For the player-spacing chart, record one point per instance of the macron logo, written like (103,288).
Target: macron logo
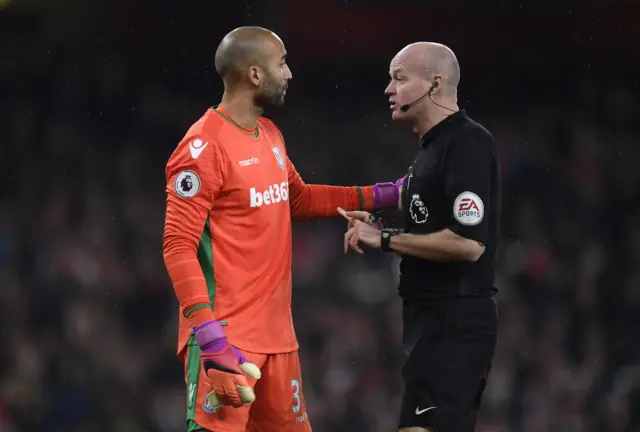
(275,194)
(196,147)
(249,162)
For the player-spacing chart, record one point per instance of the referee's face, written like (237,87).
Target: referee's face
(405,87)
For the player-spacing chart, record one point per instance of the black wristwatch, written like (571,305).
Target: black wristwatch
(385,238)
(377,220)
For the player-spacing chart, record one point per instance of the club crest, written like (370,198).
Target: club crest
(278,155)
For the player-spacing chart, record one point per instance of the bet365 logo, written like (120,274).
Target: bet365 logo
(275,194)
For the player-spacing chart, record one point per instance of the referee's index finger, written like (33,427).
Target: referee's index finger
(344,214)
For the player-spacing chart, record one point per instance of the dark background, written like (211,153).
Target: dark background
(95,95)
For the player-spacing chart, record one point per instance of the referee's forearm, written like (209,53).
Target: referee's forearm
(443,245)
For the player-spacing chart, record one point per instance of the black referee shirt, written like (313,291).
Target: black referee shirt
(453,183)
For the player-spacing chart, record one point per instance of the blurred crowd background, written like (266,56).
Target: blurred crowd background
(94,96)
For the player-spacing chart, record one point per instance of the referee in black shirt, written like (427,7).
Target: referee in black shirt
(451,203)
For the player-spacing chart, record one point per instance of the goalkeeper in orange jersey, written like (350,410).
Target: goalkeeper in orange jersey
(232,193)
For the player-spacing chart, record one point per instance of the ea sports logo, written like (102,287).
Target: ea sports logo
(468,209)
(468,204)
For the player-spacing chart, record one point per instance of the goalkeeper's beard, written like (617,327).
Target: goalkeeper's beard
(271,95)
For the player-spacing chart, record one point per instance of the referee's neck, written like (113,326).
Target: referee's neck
(425,123)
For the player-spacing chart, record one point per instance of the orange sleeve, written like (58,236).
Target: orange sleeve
(321,201)
(195,174)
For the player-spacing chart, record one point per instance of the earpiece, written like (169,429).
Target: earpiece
(434,85)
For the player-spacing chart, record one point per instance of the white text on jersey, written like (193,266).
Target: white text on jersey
(249,162)
(275,194)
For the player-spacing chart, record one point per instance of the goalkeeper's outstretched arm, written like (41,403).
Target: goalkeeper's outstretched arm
(311,201)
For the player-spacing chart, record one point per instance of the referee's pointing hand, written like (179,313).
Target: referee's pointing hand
(361,232)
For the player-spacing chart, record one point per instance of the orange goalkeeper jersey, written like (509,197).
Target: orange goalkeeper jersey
(231,196)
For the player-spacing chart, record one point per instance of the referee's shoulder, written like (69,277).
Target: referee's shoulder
(473,134)
(473,129)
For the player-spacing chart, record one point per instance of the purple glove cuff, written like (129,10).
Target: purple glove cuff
(241,358)
(210,336)
(386,194)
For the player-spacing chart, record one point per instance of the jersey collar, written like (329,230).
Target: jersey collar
(443,127)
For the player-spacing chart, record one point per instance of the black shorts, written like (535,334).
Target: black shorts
(449,345)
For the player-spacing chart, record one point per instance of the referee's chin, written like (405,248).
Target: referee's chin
(398,115)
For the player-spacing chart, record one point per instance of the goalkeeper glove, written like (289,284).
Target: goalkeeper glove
(225,368)
(388,195)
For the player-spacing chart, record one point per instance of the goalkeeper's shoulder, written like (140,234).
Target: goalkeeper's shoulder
(205,133)
(200,152)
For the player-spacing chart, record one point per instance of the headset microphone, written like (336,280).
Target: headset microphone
(405,108)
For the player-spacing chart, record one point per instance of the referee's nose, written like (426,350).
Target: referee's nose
(391,89)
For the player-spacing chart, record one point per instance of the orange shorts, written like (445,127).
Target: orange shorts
(279,404)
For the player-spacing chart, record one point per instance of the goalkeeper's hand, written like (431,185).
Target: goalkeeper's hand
(388,195)
(225,368)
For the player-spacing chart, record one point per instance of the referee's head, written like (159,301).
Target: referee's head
(424,82)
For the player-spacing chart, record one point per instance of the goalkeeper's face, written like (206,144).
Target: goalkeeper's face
(275,77)
(272,91)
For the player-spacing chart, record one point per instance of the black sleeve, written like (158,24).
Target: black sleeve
(468,170)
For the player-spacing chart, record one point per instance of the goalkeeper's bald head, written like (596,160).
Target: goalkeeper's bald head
(244,47)
(252,62)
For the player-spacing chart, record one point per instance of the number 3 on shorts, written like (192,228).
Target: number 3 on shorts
(295,385)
